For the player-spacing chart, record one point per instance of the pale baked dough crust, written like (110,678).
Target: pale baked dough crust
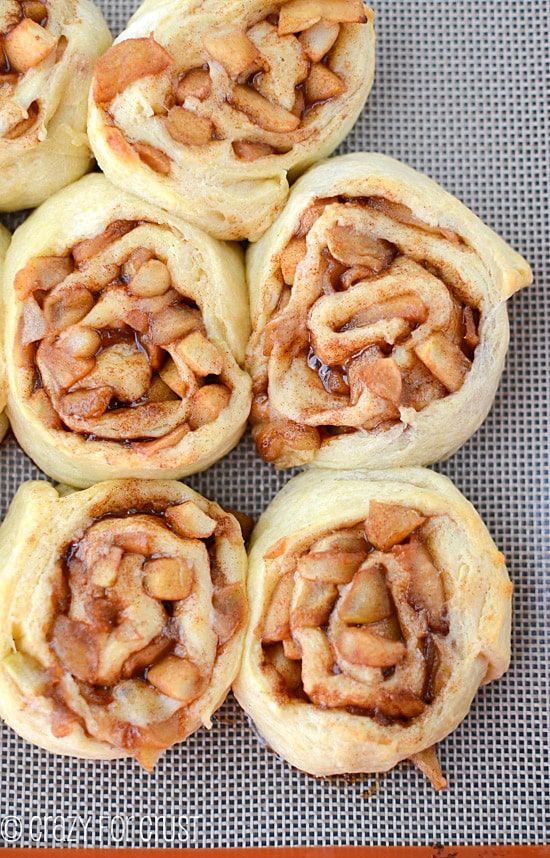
(327,742)
(5,238)
(209,186)
(206,270)
(492,272)
(40,523)
(55,151)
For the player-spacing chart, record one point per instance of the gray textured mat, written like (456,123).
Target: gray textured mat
(461,92)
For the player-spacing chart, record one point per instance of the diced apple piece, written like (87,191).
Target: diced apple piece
(76,647)
(298,15)
(384,379)
(28,44)
(234,51)
(207,404)
(361,646)
(248,150)
(319,39)
(26,672)
(34,322)
(154,158)
(172,324)
(322,84)
(87,403)
(145,657)
(80,341)
(202,356)
(105,570)
(229,605)
(401,703)
(170,376)
(125,63)
(288,669)
(388,628)
(387,524)
(292,650)
(195,83)
(355,247)
(299,103)
(189,520)
(137,258)
(177,678)
(471,335)
(314,604)
(86,249)
(168,578)
(189,128)
(445,360)
(291,256)
(425,590)
(277,620)
(301,14)
(368,599)
(260,111)
(67,307)
(43,273)
(124,368)
(152,279)
(332,566)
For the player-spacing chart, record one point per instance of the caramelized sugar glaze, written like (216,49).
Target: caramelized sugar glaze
(369,320)
(358,618)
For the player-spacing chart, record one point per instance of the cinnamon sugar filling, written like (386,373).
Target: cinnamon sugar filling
(358,621)
(363,327)
(111,349)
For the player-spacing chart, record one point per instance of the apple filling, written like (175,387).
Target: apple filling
(110,348)
(270,76)
(26,44)
(141,611)
(372,324)
(358,620)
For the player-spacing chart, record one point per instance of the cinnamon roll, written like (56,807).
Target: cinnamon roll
(209,109)
(379,319)
(378,605)
(4,244)
(122,612)
(126,329)
(47,52)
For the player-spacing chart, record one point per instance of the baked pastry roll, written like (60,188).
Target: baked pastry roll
(379,320)
(47,52)
(122,613)
(4,244)
(125,330)
(378,605)
(209,109)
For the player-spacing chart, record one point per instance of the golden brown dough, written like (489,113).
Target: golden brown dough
(378,605)
(47,52)
(125,331)
(380,329)
(122,612)
(210,109)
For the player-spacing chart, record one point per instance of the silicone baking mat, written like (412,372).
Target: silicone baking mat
(461,92)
